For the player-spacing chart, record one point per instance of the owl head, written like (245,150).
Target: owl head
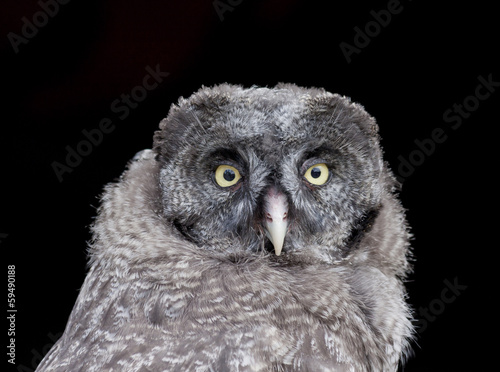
(289,172)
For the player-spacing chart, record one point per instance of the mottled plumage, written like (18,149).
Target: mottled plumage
(189,272)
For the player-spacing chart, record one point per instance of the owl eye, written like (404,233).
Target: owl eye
(317,174)
(226,175)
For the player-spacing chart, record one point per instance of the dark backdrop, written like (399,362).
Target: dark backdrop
(426,72)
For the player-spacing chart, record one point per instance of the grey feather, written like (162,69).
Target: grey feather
(183,276)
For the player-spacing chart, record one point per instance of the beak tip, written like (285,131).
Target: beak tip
(277,237)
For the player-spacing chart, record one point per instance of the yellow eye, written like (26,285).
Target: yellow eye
(226,176)
(317,174)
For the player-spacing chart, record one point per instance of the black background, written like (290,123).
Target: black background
(428,58)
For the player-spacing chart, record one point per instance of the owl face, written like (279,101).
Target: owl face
(287,172)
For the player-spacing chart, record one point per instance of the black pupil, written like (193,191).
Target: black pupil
(315,172)
(229,175)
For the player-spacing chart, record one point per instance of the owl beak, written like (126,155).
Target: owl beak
(276,221)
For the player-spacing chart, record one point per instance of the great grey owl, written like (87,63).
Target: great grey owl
(261,233)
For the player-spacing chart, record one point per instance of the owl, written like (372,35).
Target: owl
(262,232)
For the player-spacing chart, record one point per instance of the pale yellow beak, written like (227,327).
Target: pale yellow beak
(276,215)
